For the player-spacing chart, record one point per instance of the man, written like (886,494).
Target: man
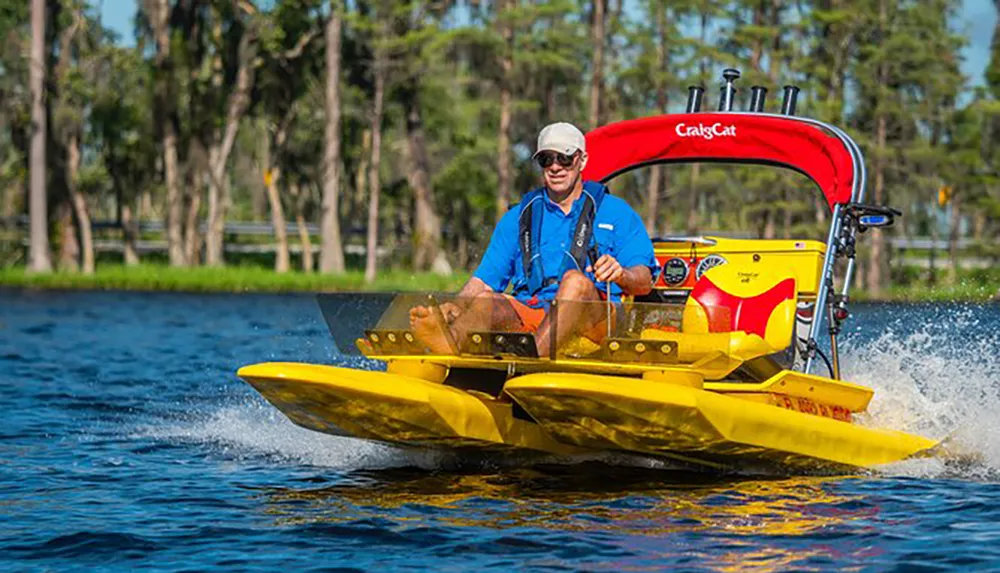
(569,240)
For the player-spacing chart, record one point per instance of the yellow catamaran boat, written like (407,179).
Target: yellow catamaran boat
(714,369)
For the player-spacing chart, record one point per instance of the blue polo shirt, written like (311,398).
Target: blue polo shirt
(618,231)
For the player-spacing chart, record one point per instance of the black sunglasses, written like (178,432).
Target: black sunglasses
(546,159)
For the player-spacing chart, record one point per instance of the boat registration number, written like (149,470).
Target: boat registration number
(807,406)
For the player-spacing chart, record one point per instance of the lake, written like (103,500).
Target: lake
(127,442)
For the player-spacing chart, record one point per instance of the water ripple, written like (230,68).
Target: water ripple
(128,443)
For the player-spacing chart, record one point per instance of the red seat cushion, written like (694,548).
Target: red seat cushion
(728,312)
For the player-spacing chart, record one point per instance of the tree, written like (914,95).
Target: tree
(597,39)
(222,142)
(158,13)
(379,71)
(331,259)
(504,180)
(39,259)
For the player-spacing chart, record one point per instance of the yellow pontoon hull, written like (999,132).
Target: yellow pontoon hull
(659,418)
(723,425)
(394,408)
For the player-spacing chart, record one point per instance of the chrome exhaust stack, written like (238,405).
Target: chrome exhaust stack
(757,97)
(728,90)
(789,100)
(695,94)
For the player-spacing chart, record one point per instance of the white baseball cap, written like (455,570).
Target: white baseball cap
(561,137)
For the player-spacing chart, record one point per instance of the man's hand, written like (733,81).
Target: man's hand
(607,268)
(637,280)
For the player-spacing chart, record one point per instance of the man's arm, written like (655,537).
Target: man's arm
(473,287)
(636,280)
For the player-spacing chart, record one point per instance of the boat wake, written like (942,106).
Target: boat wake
(254,430)
(936,374)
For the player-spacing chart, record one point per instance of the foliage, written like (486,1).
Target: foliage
(859,63)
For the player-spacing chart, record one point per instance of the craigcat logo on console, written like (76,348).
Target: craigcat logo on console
(706,131)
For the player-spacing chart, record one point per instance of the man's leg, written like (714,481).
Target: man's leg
(571,317)
(485,311)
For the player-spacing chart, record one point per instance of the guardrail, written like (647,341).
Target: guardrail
(253,228)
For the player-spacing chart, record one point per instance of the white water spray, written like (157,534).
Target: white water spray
(255,429)
(935,372)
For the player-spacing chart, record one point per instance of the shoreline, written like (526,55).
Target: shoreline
(230,279)
(254,279)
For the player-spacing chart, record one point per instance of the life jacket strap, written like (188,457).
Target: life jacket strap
(581,248)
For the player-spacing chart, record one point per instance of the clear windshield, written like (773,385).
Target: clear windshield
(497,327)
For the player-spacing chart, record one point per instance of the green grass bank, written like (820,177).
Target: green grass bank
(151,277)
(981,285)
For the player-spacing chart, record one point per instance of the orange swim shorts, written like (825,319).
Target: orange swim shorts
(531,318)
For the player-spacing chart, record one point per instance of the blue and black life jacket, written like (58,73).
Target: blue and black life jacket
(582,245)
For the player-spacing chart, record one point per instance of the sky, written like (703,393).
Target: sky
(977,19)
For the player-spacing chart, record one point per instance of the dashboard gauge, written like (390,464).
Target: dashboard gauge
(675,271)
(707,263)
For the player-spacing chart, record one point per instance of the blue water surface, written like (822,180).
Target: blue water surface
(127,442)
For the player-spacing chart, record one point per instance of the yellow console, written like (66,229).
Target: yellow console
(684,260)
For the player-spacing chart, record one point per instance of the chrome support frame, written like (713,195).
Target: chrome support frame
(825,285)
(833,241)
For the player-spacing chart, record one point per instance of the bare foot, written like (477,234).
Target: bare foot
(430,330)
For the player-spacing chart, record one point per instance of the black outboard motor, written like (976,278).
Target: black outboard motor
(757,96)
(728,90)
(789,100)
(695,94)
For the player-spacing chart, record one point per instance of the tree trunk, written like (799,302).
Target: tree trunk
(361,177)
(820,208)
(656,172)
(159,19)
(550,102)
(757,51)
(192,234)
(131,235)
(877,254)
(462,247)
(69,243)
(610,106)
(978,225)
(953,234)
(331,255)
(427,252)
(596,62)
(786,220)
(271,178)
(236,106)
(145,205)
(373,169)
(653,199)
(216,219)
(691,226)
(300,223)
(932,257)
(39,257)
(175,201)
(768,224)
(79,203)
(11,197)
(281,258)
(504,179)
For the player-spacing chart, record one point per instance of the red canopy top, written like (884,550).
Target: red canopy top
(725,137)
